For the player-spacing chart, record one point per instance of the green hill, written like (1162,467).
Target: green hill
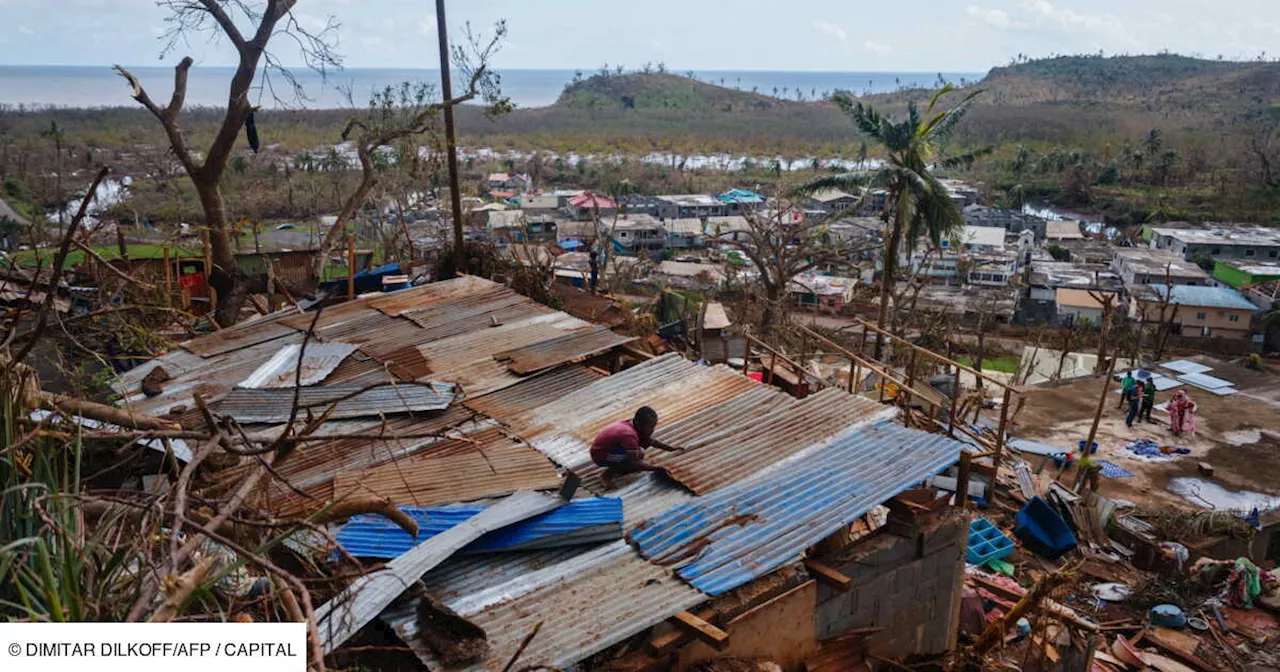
(660,91)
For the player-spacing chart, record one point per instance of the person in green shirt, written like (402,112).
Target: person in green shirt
(1148,401)
(1125,384)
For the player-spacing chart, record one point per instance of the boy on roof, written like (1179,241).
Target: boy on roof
(619,447)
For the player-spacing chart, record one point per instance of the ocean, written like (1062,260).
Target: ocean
(100,86)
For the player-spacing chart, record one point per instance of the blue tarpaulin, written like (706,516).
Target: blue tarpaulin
(581,521)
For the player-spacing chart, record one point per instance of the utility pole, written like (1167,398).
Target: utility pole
(451,145)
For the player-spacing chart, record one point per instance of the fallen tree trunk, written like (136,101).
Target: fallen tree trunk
(102,412)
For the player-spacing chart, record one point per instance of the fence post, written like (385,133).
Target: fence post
(1004,418)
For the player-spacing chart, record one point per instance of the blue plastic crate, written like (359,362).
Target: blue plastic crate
(986,542)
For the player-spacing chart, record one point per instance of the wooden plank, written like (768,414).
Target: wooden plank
(708,633)
(828,575)
(1180,644)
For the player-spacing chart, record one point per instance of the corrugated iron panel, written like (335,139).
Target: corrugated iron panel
(361,370)
(274,405)
(585,606)
(739,445)
(241,336)
(457,579)
(344,615)
(318,361)
(495,465)
(460,317)
(467,359)
(570,347)
(395,303)
(646,497)
(581,521)
(312,467)
(534,391)
(722,540)
(213,377)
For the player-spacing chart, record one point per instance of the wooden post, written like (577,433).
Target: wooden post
(1004,418)
(773,361)
(955,396)
(271,284)
(351,266)
(208,269)
(962,480)
(853,373)
(862,347)
(746,357)
(1102,404)
(168,276)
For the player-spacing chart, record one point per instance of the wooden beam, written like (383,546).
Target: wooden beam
(828,575)
(679,636)
(711,635)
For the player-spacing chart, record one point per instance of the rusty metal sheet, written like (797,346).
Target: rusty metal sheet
(275,405)
(212,378)
(362,370)
(241,336)
(494,465)
(395,303)
(533,391)
(312,467)
(460,317)
(585,604)
(733,450)
(572,347)
(284,368)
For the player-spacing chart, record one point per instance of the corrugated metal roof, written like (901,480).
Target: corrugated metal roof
(572,347)
(274,405)
(534,391)
(495,465)
(722,540)
(241,335)
(1184,366)
(716,457)
(318,361)
(461,577)
(345,614)
(581,521)
(1205,297)
(585,605)
(1205,381)
(647,496)
(311,468)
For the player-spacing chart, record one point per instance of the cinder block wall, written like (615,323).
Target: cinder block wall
(908,585)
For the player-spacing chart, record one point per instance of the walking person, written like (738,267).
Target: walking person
(1148,401)
(1182,414)
(594,263)
(1132,396)
(1125,385)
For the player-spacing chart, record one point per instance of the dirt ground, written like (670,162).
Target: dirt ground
(1236,435)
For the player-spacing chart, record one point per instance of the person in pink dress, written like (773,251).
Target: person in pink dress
(1182,414)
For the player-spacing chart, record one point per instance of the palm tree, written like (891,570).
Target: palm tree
(916,204)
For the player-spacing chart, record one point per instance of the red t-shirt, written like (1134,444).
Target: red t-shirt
(616,439)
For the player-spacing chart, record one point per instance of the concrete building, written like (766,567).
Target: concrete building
(1013,221)
(1196,312)
(1062,229)
(1144,266)
(684,234)
(510,182)
(1220,241)
(1241,275)
(1079,306)
(825,293)
(680,206)
(830,200)
(638,234)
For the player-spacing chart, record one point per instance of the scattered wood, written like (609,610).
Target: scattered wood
(453,639)
(828,575)
(715,637)
(679,636)
(1180,644)
(1205,468)
(101,412)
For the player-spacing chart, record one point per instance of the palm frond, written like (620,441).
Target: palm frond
(942,126)
(850,182)
(966,159)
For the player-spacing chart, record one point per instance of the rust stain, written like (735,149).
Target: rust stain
(694,547)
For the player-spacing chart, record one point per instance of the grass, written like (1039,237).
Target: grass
(1005,364)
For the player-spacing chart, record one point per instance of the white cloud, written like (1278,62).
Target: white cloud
(25,30)
(1104,23)
(876,47)
(996,17)
(832,29)
(427,27)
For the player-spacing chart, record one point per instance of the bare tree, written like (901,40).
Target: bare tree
(409,111)
(782,242)
(1107,300)
(223,18)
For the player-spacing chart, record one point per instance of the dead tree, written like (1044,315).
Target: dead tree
(223,18)
(781,243)
(1108,302)
(408,111)
(1167,311)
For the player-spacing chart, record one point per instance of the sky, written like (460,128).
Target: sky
(828,35)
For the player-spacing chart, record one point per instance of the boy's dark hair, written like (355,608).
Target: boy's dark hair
(644,414)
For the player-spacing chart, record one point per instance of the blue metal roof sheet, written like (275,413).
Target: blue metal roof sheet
(735,534)
(1206,297)
(581,521)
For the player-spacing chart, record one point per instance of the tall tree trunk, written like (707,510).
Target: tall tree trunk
(226,277)
(887,280)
